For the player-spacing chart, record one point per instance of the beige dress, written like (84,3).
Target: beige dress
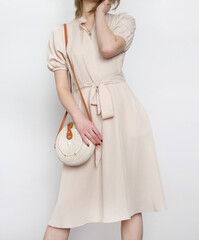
(122,176)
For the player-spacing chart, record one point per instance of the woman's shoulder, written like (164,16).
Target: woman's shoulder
(59,29)
(122,18)
(119,16)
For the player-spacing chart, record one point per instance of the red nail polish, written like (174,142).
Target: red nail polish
(101,140)
(95,144)
(88,145)
(98,143)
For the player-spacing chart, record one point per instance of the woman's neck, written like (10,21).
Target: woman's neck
(88,5)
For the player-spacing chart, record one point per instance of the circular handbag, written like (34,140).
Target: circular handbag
(69,145)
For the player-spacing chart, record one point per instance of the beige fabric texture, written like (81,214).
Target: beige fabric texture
(122,177)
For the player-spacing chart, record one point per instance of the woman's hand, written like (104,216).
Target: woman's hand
(104,6)
(86,128)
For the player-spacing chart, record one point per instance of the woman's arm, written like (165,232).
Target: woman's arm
(109,44)
(84,126)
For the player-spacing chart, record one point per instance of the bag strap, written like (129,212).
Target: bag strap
(70,84)
(66,40)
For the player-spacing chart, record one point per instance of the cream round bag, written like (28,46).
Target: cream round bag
(69,146)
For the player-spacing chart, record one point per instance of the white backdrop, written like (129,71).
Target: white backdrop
(162,69)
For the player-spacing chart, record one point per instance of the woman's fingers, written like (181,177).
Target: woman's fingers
(97,132)
(84,139)
(94,136)
(90,137)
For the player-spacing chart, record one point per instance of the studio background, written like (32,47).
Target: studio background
(161,68)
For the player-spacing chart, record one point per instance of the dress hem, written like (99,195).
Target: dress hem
(108,220)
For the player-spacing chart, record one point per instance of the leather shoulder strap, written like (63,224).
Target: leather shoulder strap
(70,83)
(66,40)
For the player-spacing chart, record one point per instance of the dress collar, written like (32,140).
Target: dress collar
(82,20)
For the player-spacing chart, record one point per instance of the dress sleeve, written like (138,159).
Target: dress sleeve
(124,26)
(56,50)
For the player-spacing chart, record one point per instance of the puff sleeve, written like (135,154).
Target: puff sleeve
(124,26)
(56,50)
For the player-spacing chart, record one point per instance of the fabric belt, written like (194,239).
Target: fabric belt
(100,96)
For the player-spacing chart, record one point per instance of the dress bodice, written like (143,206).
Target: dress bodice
(95,74)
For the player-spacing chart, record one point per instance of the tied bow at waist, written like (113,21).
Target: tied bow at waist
(100,96)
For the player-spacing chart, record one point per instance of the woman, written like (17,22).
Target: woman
(121,179)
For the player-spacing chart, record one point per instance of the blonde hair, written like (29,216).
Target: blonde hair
(79,6)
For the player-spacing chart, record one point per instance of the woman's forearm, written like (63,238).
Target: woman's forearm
(109,44)
(105,36)
(68,102)
(65,96)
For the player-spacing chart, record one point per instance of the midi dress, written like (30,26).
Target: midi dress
(122,177)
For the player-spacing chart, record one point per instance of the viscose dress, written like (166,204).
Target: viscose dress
(122,177)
